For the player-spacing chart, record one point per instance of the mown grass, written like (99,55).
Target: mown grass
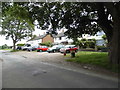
(99,59)
(5,49)
(15,50)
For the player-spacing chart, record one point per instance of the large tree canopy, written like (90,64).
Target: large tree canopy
(15,27)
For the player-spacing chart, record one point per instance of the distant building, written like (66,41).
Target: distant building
(42,39)
(47,38)
(61,38)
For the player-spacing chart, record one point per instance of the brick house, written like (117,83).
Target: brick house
(42,39)
(47,38)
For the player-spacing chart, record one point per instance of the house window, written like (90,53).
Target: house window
(60,38)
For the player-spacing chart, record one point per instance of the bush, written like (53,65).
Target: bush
(84,43)
(4,46)
(83,39)
(90,44)
(20,44)
(49,44)
(102,48)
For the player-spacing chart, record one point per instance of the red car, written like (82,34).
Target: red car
(42,48)
(68,49)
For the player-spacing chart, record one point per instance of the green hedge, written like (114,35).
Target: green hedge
(102,48)
(84,43)
(49,44)
(20,44)
(4,47)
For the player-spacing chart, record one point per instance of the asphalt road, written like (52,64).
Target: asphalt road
(25,72)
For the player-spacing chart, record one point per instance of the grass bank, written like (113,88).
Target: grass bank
(5,49)
(99,59)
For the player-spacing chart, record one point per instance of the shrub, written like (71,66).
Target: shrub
(102,48)
(90,44)
(4,46)
(49,44)
(84,43)
(83,39)
(20,44)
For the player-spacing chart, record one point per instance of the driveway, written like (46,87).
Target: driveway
(48,70)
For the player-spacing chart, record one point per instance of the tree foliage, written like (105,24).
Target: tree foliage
(14,26)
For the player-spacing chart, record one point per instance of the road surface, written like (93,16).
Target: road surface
(22,71)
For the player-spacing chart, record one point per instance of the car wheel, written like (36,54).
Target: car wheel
(38,50)
(76,50)
(67,51)
(41,50)
(28,50)
(53,51)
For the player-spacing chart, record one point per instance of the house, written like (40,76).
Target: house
(48,37)
(61,38)
(42,39)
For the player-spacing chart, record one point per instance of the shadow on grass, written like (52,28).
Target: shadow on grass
(98,59)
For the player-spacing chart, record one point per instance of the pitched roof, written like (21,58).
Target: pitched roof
(60,35)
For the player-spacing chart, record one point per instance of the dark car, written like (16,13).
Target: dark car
(55,48)
(69,48)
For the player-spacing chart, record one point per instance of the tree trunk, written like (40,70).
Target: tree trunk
(113,48)
(14,47)
(114,43)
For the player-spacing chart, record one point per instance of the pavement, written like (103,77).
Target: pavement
(48,70)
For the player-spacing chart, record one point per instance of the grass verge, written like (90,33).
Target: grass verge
(99,59)
(15,50)
(5,49)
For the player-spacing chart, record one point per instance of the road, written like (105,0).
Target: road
(22,71)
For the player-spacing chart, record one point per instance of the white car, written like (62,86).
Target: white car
(29,47)
(69,48)
(26,46)
(55,48)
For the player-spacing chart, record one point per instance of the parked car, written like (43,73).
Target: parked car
(32,48)
(19,47)
(29,47)
(55,48)
(69,48)
(26,46)
(42,48)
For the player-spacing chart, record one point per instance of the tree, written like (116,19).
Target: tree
(104,37)
(15,27)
